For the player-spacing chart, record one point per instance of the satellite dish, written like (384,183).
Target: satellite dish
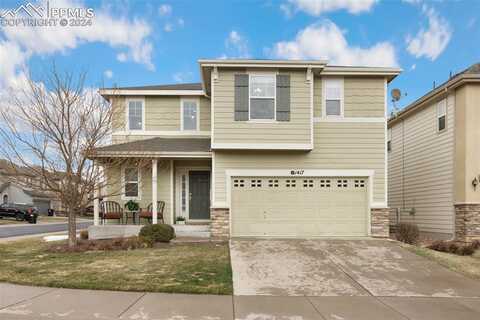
(396,94)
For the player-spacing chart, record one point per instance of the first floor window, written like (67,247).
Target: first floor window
(5,199)
(333,97)
(262,97)
(131,182)
(190,115)
(135,115)
(441,115)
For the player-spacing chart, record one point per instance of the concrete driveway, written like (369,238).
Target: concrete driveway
(315,268)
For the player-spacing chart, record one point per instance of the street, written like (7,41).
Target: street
(7,231)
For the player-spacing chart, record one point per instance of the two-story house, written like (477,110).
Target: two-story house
(258,148)
(434,160)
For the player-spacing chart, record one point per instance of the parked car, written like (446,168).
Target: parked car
(20,212)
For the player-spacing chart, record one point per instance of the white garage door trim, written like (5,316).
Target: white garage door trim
(229,173)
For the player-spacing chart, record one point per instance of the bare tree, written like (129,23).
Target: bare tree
(50,128)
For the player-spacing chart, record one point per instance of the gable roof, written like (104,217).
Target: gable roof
(471,74)
(156,147)
(176,86)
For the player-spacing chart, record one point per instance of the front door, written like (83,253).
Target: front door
(199,187)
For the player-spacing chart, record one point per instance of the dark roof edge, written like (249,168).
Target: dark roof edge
(471,74)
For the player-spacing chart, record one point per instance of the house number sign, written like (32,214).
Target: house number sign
(297,172)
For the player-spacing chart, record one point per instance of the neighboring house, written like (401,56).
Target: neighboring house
(13,193)
(434,159)
(258,148)
(18,185)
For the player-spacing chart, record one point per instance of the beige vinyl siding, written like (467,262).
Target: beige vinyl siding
(162,113)
(114,186)
(227,130)
(336,146)
(467,164)
(421,169)
(364,97)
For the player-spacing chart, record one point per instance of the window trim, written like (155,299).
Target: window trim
(139,182)
(127,111)
(267,74)
(197,102)
(324,97)
(437,116)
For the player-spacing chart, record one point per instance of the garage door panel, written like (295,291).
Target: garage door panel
(306,207)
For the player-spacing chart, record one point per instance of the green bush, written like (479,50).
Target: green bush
(407,232)
(153,233)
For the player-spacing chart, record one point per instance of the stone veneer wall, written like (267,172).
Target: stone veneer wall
(379,222)
(220,222)
(467,222)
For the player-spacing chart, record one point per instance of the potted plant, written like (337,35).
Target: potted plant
(181,220)
(132,205)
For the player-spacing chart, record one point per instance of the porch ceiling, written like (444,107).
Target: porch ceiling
(157,147)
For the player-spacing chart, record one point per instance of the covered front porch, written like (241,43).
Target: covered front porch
(167,179)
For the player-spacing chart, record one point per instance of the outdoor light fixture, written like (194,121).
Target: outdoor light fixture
(475,183)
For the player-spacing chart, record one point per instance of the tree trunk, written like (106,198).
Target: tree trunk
(72,228)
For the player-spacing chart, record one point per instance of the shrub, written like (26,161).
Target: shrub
(476,244)
(439,245)
(452,247)
(466,250)
(84,234)
(407,232)
(153,233)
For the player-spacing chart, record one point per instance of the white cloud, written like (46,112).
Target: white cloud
(22,42)
(236,46)
(413,67)
(165,10)
(325,40)
(168,27)
(430,42)
(108,74)
(182,76)
(122,57)
(181,22)
(318,7)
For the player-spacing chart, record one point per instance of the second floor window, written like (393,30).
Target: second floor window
(262,97)
(135,115)
(441,115)
(190,117)
(333,97)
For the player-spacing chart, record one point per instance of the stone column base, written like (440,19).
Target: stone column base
(467,222)
(220,222)
(379,222)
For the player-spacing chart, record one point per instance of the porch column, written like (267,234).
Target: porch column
(154,192)
(96,203)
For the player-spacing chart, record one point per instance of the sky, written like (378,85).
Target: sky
(134,43)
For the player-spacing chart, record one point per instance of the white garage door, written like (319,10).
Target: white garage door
(299,207)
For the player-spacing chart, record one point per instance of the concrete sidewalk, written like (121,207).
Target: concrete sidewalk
(22,302)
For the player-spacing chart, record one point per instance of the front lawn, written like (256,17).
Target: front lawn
(467,265)
(181,268)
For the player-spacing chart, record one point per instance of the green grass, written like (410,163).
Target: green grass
(180,268)
(466,265)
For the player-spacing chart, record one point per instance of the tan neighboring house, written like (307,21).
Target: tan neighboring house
(434,159)
(259,148)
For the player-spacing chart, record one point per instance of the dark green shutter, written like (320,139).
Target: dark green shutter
(241,97)
(283,97)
